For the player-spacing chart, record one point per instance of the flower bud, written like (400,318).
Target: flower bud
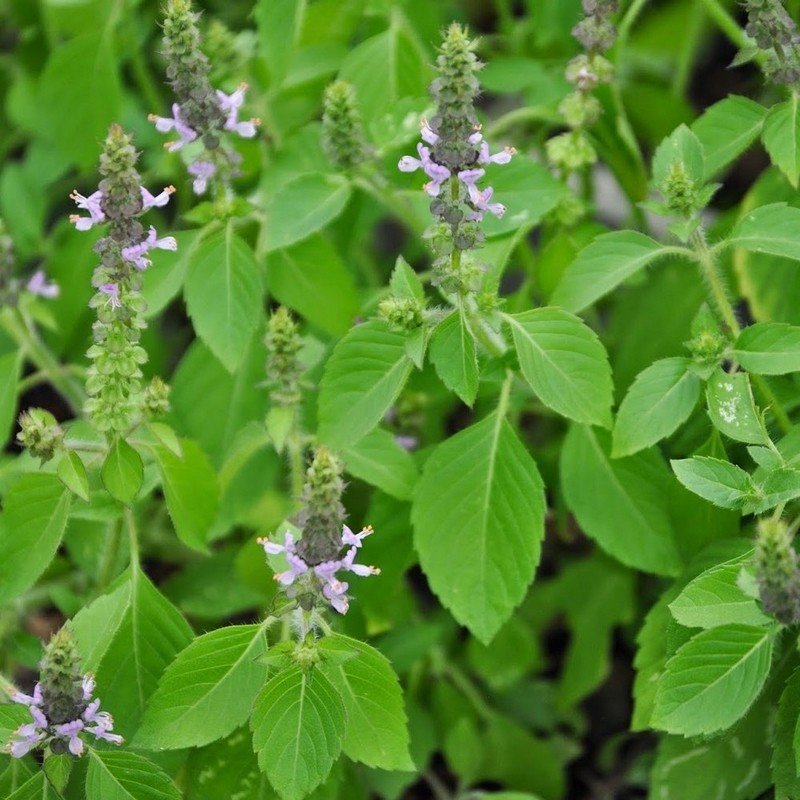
(402,313)
(342,130)
(776,34)
(155,399)
(595,32)
(777,573)
(283,366)
(322,514)
(40,433)
(571,151)
(679,190)
(580,109)
(61,679)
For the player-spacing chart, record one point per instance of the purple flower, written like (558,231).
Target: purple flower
(297,567)
(436,172)
(29,735)
(101,723)
(159,200)
(111,290)
(230,105)
(357,569)
(335,592)
(70,731)
(28,700)
(480,199)
(470,176)
(92,720)
(202,171)
(427,133)
(38,285)
(135,253)
(92,204)
(355,539)
(503,157)
(407,442)
(175,123)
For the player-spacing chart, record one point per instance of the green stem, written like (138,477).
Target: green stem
(39,377)
(294,450)
(465,685)
(25,335)
(725,22)
(715,283)
(105,572)
(631,15)
(133,539)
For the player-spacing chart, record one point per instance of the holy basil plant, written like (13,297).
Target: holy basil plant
(399,400)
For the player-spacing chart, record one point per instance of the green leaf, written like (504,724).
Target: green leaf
(302,207)
(224,295)
(405,282)
(35,788)
(191,491)
(362,379)
(733,766)
(778,486)
(772,229)
(713,679)
(10,368)
(385,68)
(307,276)
(786,741)
(727,129)
(528,191)
(298,725)
(732,409)
(279,24)
(379,460)
(480,495)
(453,355)
(720,482)
(714,598)
(377,732)
(782,137)
(602,266)
(34,519)
(73,475)
(79,95)
(565,364)
(127,638)
(122,775)
(658,402)
(122,471)
(207,692)
(769,348)
(620,503)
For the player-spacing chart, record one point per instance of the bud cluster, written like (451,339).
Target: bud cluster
(595,31)
(283,366)
(62,707)
(40,434)
(114,377)
(342,130)
(572,151)
(327,546)
(777,572)
(453,154)
(776,34)
(200,113)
